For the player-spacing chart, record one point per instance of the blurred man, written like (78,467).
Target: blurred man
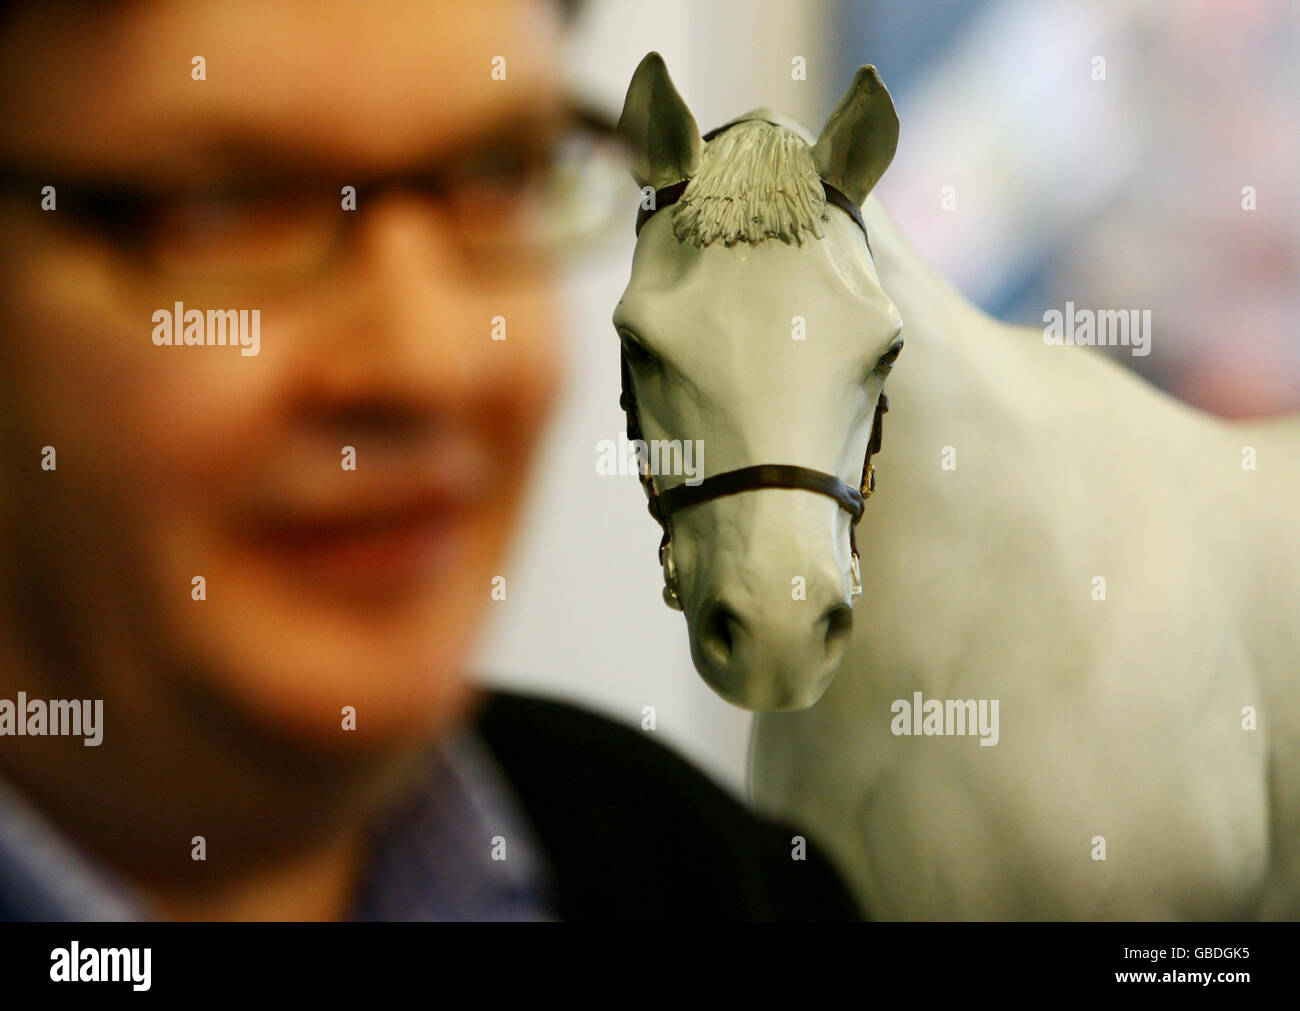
(261,460)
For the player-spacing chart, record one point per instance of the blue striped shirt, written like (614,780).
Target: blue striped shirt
(458,848)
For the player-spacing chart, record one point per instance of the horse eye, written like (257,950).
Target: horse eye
(891,356)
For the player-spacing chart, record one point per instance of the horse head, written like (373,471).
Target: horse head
(755,328)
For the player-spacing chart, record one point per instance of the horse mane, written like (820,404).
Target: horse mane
(756,181)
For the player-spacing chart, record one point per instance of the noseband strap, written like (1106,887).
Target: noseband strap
(762,475)
(662,505)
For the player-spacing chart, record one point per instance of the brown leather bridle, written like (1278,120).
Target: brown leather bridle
(763,475)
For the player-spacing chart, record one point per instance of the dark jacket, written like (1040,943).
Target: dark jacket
(632,831)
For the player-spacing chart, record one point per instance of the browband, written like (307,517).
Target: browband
(670,194)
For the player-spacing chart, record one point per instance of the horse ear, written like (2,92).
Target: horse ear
(859,140)
(659,130)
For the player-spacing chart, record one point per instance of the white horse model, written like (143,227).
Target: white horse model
(1055,542)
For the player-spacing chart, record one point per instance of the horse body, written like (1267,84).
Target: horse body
(1121,719)
(1053,538)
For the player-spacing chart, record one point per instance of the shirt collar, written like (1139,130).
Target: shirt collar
(460,849)
(44,877)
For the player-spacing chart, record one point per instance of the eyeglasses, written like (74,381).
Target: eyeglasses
(512,204)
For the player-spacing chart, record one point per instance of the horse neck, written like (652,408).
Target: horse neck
(956,357)
(1046,429)
(975,372)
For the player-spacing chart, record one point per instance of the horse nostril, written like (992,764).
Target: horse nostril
(839,625)
(716,632)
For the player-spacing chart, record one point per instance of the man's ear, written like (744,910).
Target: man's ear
(860,137)
(659,130)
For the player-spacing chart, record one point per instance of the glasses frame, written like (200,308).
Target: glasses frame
(118,212)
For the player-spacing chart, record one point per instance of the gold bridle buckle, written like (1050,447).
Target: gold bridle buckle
(670,579)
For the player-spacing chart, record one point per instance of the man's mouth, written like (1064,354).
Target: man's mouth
(382,547)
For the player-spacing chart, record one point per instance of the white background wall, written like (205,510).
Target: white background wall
(584,619)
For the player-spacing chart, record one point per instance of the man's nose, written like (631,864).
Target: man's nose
(402,326)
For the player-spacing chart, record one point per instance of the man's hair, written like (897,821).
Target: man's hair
(756,181)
